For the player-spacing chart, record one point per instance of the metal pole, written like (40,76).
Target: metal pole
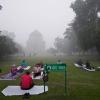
(44,81)
(44,76)
(65,80)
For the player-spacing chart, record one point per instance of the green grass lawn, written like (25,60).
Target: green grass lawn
(81,85)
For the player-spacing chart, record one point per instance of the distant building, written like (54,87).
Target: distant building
(35,43)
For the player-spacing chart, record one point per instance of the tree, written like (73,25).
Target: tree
(7,46)
(35,43)
(20,49)
(58,44)
(8,34)
(70,41)
(68,44)
(52,51)
(0,7)
(86,24)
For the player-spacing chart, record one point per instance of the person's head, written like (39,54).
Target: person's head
(37,65)
(23,60)
(13,65)
(27,72)
(59,60)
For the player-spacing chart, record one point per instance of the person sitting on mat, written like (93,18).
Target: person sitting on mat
(79,62)
(37,70)
(13,70)
(59,61)
(26,81)
(23,64)
(88,65)
(40,64)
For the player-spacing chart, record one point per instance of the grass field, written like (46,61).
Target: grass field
(81,85)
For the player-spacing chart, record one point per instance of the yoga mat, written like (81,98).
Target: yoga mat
(16,90)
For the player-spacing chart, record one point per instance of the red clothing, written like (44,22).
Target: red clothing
(26,81)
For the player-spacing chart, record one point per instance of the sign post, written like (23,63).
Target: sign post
(56,68)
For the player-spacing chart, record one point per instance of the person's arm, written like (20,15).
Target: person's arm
(31,81)
(21,81)
(11,70)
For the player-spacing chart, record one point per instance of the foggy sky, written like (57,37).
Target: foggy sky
(22,17)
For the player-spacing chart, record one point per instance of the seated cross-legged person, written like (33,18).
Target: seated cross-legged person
(37,70)
(88,65)
(79,62)
(59,62)
(40,64)
(26,81)
(13,70)
(23,64)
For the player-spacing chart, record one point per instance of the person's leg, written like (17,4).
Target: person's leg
(38,74)
(23,88)
(31,86)
(27,88)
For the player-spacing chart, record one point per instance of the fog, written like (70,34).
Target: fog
(50,17)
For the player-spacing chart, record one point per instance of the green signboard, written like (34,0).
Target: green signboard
(55,67)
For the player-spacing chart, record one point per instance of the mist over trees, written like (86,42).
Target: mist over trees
(87,23)
(7,45)
(52,51)
(68,44)
(83,34)
(35,43)
(0,7)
